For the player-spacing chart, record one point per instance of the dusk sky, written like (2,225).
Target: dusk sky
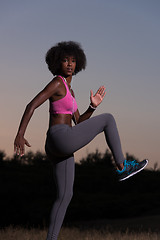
(121,39)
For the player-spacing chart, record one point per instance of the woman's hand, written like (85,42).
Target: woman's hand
(98,97)
(19,144)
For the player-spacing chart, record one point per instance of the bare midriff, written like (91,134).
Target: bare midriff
(60,119)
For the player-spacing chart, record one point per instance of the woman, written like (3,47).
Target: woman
(65,60)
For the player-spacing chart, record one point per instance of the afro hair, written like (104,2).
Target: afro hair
(56,54)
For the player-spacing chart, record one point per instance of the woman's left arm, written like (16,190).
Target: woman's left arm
(95,101)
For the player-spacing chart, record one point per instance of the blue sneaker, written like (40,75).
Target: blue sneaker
(131,168)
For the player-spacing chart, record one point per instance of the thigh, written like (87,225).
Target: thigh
(70,139)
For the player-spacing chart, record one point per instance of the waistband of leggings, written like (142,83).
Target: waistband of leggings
(57,127)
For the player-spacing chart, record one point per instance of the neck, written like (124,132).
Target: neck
(68,79)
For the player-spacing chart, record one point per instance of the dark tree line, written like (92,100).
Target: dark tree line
(28,190)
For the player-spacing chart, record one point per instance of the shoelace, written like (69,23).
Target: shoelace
(131,163)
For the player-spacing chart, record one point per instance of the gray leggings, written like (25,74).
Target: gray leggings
(62,141)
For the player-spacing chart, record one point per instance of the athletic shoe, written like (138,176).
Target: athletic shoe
(131,168)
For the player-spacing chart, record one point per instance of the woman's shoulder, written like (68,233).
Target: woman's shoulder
(56,82)
(56,86)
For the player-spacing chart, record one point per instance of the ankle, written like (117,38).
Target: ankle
(120,166)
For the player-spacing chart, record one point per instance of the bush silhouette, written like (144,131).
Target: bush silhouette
(28,190)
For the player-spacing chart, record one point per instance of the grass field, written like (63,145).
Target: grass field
(146,228)
(75,234)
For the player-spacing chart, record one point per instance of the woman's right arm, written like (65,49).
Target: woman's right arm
(45,94)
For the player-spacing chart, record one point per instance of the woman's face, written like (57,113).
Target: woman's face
(68,65)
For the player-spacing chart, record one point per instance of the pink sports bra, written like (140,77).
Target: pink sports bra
(65,105)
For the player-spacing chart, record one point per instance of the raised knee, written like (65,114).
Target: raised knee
(109,116)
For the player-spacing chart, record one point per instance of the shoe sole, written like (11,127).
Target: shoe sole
(132,174)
